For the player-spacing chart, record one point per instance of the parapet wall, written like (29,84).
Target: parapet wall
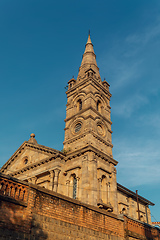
(138,230)
(30,212)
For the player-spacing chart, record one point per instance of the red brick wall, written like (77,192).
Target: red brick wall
(140,230)
(71,211)
(40,213)
(30,212)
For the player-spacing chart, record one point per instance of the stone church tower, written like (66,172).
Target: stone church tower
(85,169)
(88,133)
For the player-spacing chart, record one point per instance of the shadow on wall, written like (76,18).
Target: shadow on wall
(152,234)
(15,225)
(37,233)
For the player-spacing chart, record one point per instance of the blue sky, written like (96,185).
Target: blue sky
(41,47)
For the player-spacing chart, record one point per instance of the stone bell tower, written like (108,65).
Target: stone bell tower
(88,119)
(88,134)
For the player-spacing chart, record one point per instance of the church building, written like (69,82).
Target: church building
(85,170)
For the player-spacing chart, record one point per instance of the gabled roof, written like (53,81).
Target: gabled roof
(32,144)
(133,194)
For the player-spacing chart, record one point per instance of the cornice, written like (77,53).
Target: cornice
(72,168)
(104,170)
(32,146)
(102,140)
(88,81)
(86,109)
(90,148)
(75,138)
(36,164)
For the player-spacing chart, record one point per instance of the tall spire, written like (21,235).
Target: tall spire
(89,59)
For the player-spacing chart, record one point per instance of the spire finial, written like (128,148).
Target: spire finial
(89,59)
(89,37)
(32,135)
(32,138)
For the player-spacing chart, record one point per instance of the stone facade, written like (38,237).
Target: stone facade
(85,170)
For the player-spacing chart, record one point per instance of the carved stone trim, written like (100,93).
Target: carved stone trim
(34,165)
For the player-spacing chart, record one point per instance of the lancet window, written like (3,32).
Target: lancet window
(79,104)
(98,105)
(74,187)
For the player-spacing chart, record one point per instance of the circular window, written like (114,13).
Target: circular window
(78,127)
(100,129)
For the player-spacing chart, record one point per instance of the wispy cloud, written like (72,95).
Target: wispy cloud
(131,69)
(139,164)
(127,106)
(151,120)
(147,35)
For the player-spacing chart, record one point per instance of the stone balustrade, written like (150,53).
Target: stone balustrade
(13,190)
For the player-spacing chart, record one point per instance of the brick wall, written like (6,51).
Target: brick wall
(138,230)
(78,218)
(30,212)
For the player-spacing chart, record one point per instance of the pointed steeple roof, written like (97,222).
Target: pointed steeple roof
(89,59)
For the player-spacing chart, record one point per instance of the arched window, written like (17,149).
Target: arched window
(142,218)
(74,187)
(98,105)
(123,211)
(79,104)
(25,160)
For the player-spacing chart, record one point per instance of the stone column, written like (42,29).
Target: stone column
(51,180)
(34,179)
(85,179)
(77,197)
(108,192)
(68,184)
(56,174)
(113,189)
(93,179)
(99,190)
(29,180)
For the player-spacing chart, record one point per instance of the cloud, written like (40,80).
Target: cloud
(132,65)
(150,121)
(126,73)
(146,35)
(139,163)
(129,105)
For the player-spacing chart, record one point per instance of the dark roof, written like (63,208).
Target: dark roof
(133,194)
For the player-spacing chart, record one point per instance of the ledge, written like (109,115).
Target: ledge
(12,200)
